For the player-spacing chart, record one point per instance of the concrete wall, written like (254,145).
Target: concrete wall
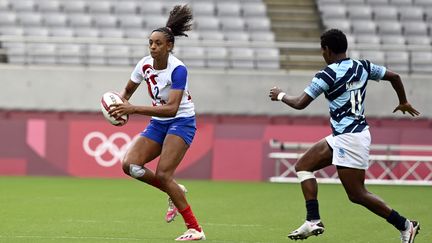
(214,92)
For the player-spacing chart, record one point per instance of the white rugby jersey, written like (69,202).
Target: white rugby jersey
(160,82)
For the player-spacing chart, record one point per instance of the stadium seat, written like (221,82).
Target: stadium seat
(117,55)
(55,19)
(125,7)
(231,8)
(154,21)
(363,27)
(362,12)
(401,2)
(232,24)
(267,36)
(377,57)
(4,6)
(41,53)
(23,5)
(418,40)
(80,20)
(76,6)
(86,32)
(193,56)
(96,55)
(207,23)
(36,31)
(203,8)
(353,2)
(217,57)
(421,62)
(415,28)
(423,3)
(8,19)
(388,27)
(151,8)
(30,19)
(390,13)
(16,52)
(368,39)
(333,11)
(11,30)
(344,25)
(49,6)
(99,7)
(130,21)
(112,33)
(377,2)
(139,33)
(397,61)
(254,9)
(393,40)
(258,23)
(61,32)
(236,36)
(105,21)
(212,35)
(70,54)
(242,58)
(267,58)
(411,13)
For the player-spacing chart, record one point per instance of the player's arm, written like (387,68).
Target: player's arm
(297,102)
(167,110)
(397,85)
(129,89)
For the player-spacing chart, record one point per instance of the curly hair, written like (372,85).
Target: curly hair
(335,40)
(179,21)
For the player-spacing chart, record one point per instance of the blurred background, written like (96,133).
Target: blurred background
(58,57)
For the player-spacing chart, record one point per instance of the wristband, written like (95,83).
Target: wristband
(280,96)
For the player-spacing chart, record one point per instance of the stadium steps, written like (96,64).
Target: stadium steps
(296,21)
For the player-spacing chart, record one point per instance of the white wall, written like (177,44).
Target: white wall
(214,92)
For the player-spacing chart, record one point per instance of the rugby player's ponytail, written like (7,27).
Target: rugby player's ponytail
(179,21)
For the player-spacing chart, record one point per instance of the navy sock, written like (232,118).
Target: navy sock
(312,210)
(396,220)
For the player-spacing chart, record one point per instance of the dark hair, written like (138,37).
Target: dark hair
(335,40)
(179,21)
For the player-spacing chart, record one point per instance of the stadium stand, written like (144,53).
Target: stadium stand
(387,27)
(105,24)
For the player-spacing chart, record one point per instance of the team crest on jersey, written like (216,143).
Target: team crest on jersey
(341,153)
(147,70)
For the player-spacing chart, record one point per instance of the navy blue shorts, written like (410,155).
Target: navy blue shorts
(184,127)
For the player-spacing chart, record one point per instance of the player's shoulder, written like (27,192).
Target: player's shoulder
(174,62)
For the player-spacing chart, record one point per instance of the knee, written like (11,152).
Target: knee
(357,198)
(163,177)
(133,170)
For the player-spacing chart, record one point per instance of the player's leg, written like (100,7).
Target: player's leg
(353,182)
(315,158)
(142,151)
(173,151)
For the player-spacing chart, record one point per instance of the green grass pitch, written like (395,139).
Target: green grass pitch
(60,209)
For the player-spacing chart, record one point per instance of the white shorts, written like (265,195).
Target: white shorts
(351,149)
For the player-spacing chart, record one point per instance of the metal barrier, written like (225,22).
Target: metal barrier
(387,168)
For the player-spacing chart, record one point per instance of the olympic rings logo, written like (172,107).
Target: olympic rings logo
(106,145)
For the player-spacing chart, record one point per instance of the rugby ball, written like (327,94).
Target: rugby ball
(107,100)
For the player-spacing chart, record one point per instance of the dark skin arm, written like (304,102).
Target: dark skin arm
(397,85)
(297,102)
(167,110)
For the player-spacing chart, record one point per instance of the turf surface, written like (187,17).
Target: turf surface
(58,209)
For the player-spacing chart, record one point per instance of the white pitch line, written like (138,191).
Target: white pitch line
(71,237)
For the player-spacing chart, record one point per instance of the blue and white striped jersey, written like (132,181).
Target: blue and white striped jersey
(344,85)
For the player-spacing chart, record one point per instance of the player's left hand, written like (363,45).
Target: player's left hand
(274,92)
(118,110)
(406,108)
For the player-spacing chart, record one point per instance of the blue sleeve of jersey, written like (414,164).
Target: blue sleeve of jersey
(376,72)
(178,77)
(320,83)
